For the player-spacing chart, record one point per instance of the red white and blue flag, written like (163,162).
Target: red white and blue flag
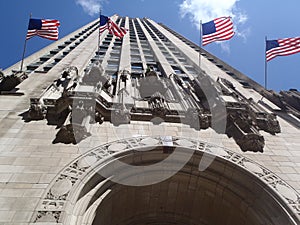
(282,47)
(45,28)
(107,24)
(219,29)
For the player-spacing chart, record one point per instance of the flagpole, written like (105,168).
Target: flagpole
(23,55)
(200,44)
(24,50)
(266,65)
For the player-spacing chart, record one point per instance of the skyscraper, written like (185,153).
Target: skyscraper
(148,129)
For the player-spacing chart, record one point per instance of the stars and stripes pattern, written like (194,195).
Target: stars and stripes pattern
(45,28)
(219,29)
(282,47)
(107,24)
(103,23)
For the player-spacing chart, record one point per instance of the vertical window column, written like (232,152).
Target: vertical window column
(167,69)
(111,64)
(138,31)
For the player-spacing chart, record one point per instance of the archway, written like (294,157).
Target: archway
(232,190)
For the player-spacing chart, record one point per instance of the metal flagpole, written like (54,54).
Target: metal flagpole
(266,65)
(24,50)
(200,44)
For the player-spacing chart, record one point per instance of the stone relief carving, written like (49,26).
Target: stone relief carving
(74,101)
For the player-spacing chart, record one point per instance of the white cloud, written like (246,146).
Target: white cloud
(207,10)
(91,7)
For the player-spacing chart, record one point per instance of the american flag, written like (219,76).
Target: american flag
(219,29)
(45,28)
(282,47)
(111,26)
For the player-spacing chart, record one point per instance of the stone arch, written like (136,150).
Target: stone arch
(232,190)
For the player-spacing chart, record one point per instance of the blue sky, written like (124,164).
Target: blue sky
(254,19)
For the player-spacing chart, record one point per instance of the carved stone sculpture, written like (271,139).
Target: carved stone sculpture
(193,101)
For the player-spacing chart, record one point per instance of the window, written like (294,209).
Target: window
(135,51)
(183,60)
(136,66)
(115,51)
(106,43)
(72,47)
(149,59)
(117,44)
(145,45)
(171,61)
(114,56)
(57,59)
(49,66)
(54,51)
(177,70)
(134,45)
(165,53)
(46,57)
(192,71)
(113,65)
(147,52)
(33,66)
(135,58)
(66,52)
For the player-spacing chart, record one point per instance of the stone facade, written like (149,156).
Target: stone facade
(41,176)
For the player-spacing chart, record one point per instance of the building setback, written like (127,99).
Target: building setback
(142,130)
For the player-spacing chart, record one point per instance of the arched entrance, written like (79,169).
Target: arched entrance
(231,190)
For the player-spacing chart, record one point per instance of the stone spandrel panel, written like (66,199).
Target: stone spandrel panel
(282,154)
